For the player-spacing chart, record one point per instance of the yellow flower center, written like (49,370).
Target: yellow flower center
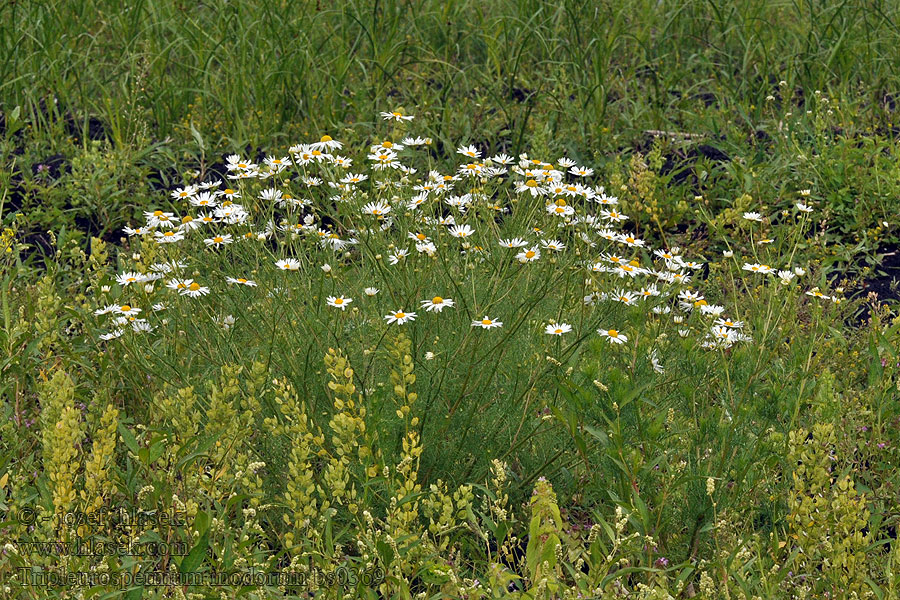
(613,333)
(338,300)
(557,330)
(242,281)
(397,114)
(560,209)
(218,239)
(420,236)
(169,234)
(124,308)
(316,153)
(187,219)
(560,202)
(229,191)
(157,213)
(183,194)
(399,315)
(194,286)
(529,254)
(325,138)
(437,300)
(531,183)
(486,321)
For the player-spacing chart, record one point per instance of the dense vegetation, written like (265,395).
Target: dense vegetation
(450,300)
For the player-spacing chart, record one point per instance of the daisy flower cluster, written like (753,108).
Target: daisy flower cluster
(376,211)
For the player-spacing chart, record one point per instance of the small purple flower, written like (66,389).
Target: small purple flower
(662,562)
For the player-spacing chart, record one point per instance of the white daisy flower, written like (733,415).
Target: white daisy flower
(340,302)
(288,264)
(437,304)
(487,323)
(241,281)
(613,336)
(399,317)
(557,328)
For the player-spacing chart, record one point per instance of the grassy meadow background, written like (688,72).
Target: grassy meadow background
(454,462)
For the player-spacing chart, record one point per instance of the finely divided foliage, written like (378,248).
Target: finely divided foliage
(490,206)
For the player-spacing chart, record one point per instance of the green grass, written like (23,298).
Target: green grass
(765,469)
(591,73)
